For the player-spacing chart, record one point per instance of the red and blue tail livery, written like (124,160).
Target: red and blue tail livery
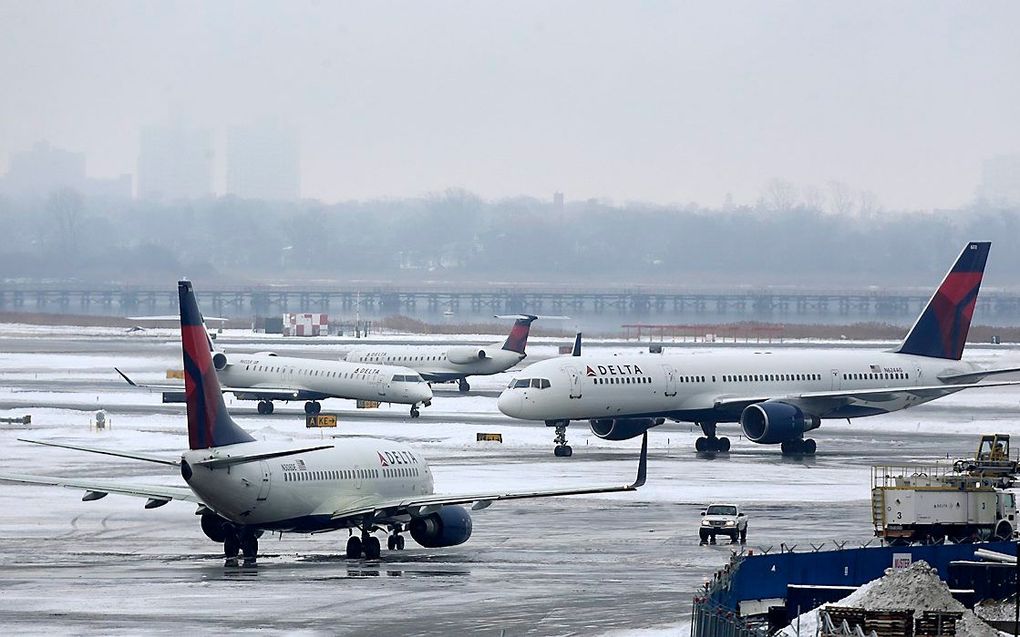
(518,338)
(209,424)
(941,330)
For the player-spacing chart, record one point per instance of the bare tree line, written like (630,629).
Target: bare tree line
(814,237)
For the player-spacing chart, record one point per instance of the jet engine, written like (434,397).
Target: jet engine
(465,355)
(449,526)
(773,422)
(214,527)
(219,360)
(623,428)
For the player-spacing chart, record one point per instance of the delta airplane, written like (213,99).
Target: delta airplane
(449,364)
(266,377)
(244,487)
(775,396)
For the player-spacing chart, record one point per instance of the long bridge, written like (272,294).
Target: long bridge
(737,305)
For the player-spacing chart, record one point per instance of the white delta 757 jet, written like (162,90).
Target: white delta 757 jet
(448,364)
(244,487)
(266,377)
(775,396)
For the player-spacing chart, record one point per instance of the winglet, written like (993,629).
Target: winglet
(577,345)
(125,377)
(941,329)
(642,467)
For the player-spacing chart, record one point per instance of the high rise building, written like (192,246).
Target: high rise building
(44,169)
(263,162)
(175,162)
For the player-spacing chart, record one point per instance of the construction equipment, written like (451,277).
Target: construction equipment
(992,459)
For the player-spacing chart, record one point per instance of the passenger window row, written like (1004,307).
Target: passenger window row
(622,380)
(350,474)
(767,378)
(877,376)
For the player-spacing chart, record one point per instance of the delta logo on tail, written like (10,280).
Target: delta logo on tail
(941,330)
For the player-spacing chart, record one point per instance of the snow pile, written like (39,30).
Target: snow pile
(916,588)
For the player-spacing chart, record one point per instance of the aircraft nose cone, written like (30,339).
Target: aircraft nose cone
(425,392)
(511,403)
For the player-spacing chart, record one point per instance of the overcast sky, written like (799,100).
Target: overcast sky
(655,101)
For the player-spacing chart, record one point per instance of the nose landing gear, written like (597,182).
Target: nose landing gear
(463,385)
(313,407)
(562,450)
(265,407)
(414,411)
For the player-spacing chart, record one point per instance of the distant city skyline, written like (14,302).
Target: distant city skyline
(661,102)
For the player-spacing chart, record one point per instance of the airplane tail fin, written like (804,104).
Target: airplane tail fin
(209,424)
(941,329)
(518,338)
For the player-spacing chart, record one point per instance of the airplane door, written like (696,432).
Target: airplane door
(670,380)
(264,483)
(575,382)
(835,379)
(380,385)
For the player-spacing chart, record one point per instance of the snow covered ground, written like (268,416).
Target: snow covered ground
(614,564)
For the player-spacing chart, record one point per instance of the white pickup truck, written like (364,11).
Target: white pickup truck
(723,519)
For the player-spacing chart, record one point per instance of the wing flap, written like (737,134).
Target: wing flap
(882,393)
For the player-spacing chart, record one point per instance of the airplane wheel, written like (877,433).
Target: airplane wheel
(231,545)
(372,548)
(701,444)
(563,451)
(391,543)
(463,386)
(312,407)
(265,407)
(414,412)
(723,445)
(400,542)
(250,547)
(353,547)
(810,447)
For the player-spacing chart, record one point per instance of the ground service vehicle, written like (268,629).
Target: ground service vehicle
(723,519)
(935,503)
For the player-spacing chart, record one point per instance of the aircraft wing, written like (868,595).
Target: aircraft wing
(260,391)
(421,505)
(822,400)
(157,494)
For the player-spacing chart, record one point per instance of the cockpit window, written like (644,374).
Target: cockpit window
(408,378)
(536,383)
(545,383)
(524,382)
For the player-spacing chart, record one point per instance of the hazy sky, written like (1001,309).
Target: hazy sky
(657,101)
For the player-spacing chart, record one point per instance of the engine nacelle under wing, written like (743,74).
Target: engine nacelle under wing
(773,422)
(449,526)
(465,355)
(623,428)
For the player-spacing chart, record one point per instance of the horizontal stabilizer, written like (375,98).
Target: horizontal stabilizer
(974,376)
(227,461)
(97,489)
(108,452)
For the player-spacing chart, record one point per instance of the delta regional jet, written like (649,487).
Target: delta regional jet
(449,364)
(266,377)
(244,487)
(776,397)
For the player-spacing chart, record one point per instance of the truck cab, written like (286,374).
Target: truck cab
(723,519)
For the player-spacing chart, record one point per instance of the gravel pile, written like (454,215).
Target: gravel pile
(916,588)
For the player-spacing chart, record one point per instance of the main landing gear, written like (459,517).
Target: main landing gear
(368,546)
(414,411)
(243,540)
(562,450)
(709,443)
(313,407)
(265,407)
(463,385)
(799,447)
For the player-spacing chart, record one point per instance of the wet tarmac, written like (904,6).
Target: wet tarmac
(573,566)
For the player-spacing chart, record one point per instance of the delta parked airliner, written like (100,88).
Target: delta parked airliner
(244,487)
(775,396)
